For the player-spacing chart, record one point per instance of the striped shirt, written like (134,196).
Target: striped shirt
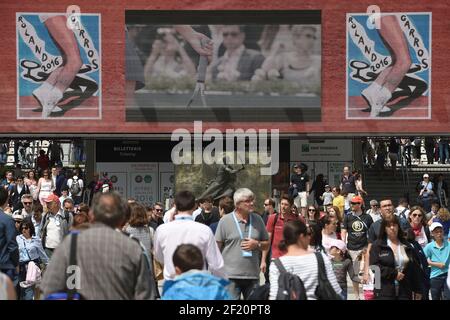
(306,268)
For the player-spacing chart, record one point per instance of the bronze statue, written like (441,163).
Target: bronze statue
(223,184)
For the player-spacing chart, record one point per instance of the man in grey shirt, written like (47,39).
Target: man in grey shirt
(112,266)
(241,235)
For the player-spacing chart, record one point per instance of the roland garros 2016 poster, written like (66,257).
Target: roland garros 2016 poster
(389,66)
(58,66)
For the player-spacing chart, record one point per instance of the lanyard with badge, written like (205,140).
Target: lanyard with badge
(245,253)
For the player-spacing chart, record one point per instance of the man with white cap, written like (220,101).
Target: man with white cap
(438,255)
(55,224)
(426,192)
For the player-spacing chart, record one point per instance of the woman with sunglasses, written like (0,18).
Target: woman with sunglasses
(300,261)
(45,187)
(398,264)
(312,216)
(30,249)
(419,226)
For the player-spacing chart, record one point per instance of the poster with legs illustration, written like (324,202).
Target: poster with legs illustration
(389,66)
(58,66)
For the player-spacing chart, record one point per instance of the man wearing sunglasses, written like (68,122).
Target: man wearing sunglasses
(238,62)
(157,215)
(27,206)
(355,229)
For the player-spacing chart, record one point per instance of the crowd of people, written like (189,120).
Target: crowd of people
(202,249)
(378,152)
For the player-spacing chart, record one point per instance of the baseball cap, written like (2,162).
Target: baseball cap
(338,244)
(52,197)
(17,217)
(373,202)
(357,199)
(435,225)
(426,175)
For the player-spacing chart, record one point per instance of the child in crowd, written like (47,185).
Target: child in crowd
(327,197)
(191,282)
(342,265)
(64,196)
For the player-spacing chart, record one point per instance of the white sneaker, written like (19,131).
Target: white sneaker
(48,97)
(376,98)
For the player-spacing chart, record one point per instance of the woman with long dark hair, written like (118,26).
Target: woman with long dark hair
(397,262)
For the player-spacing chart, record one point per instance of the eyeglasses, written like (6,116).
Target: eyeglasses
(266,204)
(354,203)
(233,34)
(26,203)
(416,215)
(311,209)
(375,205)
(159,210)
(25,228)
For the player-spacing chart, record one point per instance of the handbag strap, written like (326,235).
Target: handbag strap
(72,262)
(25,246)
(321,266)
(280,266)
(273,233)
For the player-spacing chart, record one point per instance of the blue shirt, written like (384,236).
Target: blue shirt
(31,249)
(436,254)
(8,244)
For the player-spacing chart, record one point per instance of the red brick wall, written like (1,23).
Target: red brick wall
(333,65)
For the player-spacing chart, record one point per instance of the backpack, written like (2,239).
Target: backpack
(75,187)
(290,286)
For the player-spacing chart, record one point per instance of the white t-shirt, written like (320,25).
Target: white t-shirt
(80,183)
(184,230)
(327,240)
(53,238)
(400,209)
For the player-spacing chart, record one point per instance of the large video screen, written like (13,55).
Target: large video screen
(234,67)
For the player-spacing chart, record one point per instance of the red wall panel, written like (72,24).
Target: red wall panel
(333,67)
